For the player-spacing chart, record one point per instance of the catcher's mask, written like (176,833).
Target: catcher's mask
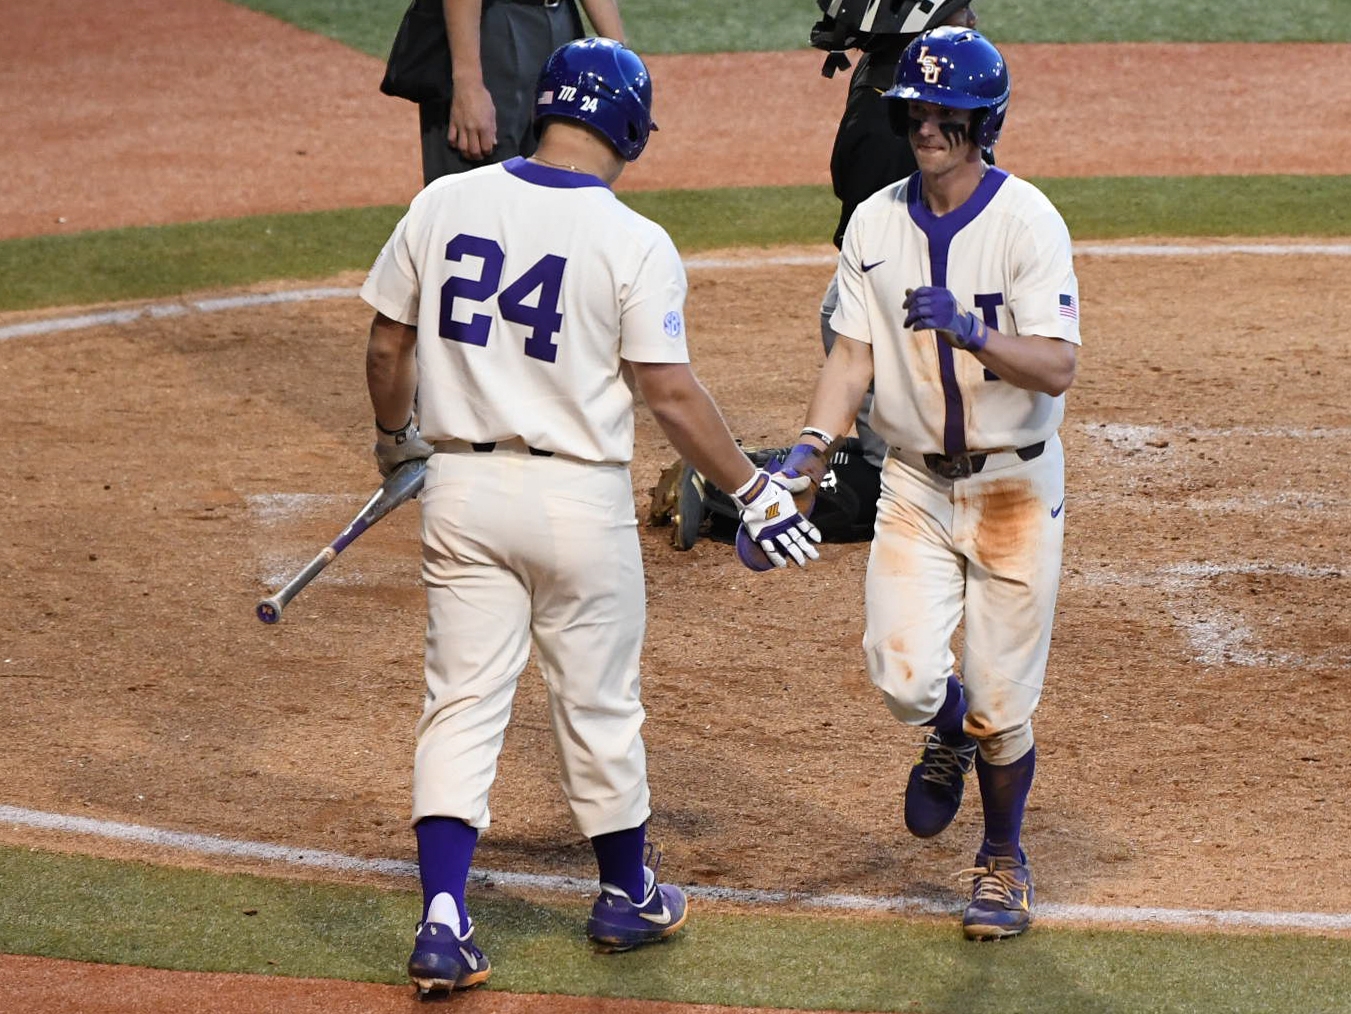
(603,85)
(958,68)
(891,17)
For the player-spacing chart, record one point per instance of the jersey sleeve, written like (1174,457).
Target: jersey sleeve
(1045,298)
(652,308)
(851,312)
(391,286)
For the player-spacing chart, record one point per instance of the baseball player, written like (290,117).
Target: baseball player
(958,301)
(517,305)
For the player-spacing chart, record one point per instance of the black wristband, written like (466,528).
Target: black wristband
(394,433)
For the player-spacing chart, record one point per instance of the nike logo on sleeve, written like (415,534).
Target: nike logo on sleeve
(1055,511)
(869,267)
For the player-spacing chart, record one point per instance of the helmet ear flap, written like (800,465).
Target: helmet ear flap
(898,114)
(987,124)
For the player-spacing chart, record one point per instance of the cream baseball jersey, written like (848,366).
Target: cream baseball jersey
(528,285)
(1006,255)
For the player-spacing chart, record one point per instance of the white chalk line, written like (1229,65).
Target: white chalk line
(203,844)
(1127,436)
(1217,634)
(155,310)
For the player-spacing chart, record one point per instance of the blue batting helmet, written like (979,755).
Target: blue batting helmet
(603,85)
(958,68)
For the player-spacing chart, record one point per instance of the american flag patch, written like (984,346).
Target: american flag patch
(546,98)
(1069,306)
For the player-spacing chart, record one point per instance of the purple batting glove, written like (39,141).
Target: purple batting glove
(801,473)
(936,309)
(748,551)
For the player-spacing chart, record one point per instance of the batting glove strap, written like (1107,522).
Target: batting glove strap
(398,436)
(757,484)
(392,449)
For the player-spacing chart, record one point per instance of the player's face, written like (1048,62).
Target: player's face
(940,136)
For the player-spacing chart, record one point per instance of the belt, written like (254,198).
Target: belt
(517,445)
(959,466)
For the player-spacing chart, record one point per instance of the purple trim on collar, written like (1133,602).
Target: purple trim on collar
(940,230)
(548,176)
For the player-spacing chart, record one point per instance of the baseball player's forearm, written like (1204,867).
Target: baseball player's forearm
(391,370)
(1032,362)
(690,419)
(840,388)
(604,18)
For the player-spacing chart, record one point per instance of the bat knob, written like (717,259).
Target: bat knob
(268,610)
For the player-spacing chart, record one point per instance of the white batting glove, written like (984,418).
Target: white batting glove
(773,523)
(394,447)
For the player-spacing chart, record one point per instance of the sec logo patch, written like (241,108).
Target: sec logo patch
(672,324)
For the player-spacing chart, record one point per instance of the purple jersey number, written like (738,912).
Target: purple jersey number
(543,318)
(988,303)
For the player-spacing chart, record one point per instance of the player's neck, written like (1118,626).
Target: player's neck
(578,150)
(949,189)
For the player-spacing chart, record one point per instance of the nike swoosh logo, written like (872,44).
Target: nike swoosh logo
(469,960)
(661,920)
(1055,511)
(869,267)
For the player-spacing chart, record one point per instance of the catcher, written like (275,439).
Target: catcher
(840,494)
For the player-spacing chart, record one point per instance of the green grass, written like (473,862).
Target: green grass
(703,26)
(122,264)
(127,913)
(1166,21)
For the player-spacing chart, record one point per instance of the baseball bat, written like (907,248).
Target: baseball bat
(402,485)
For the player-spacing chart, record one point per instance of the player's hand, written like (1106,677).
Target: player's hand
(393,449)
(473,121)
(801,473)
(832,36)
(936,309)
(771,524)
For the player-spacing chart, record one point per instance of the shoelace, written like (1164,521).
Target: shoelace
(995,883)
(945,764)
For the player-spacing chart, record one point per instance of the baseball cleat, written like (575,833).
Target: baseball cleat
(442,961)
(618,923)
(933,794)
(1001,897)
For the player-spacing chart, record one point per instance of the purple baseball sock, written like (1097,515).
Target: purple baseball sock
(948,722)
(619,857)
(1003,793)
(445,847)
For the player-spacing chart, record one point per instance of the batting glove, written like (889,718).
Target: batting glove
(394,447)
(772,525)
(801,473)
(935,309)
